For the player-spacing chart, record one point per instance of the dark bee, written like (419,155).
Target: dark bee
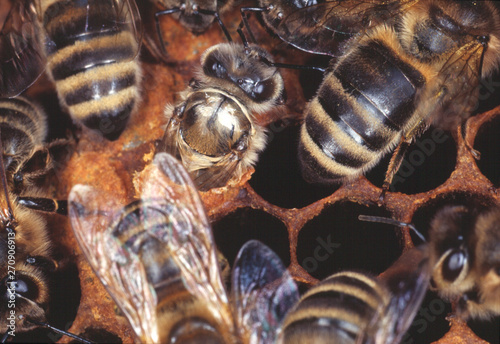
(25,246)
(194,15)
(400,66)
(157,258)
(213,129)
(90,49)
(353,307)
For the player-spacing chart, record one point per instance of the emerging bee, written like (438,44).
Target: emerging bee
(400,66)
(465,255)
(25,246)
(353,307)
(90,49)
(157,259)
(213,129)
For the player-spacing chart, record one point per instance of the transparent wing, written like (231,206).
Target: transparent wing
(407,280)
(190,240)
(461,75)
(119,269)
(21,55)
(263,292)
(104,21)
(329,27)
(168,142)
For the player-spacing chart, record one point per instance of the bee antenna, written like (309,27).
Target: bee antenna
(4,337)
(389,221)
(3,178)
(71,335)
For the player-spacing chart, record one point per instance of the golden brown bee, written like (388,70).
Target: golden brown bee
(25,246)
(464,252)
(400,66)
(354,307)
(157,259)
(90,51)
(213,129)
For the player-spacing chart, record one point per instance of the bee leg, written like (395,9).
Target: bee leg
(45,204)
(42,161)
(399,154)
(394,164)
(245,16)
(158,29)
(221,24)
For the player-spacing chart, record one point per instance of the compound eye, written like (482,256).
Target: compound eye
(263,91)
(22,285)
(454,264)
(213,67)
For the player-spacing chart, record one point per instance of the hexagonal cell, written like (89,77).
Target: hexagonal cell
(488,144)
(430,322)
(429,162)
(336,240)
(487,330)
(277,176)
(424,215)
(234,230)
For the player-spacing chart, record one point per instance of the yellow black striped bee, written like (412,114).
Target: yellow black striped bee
(463,256)
(354,307)
(25,247)
(89,48)
(157,259)
(213,130)
(399,66)
(464,252)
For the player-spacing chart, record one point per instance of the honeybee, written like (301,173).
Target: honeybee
(89,48)
(354,307)
(194,15)
(399,66)
(213,129)
(464,252)
(158,261)
(25,246)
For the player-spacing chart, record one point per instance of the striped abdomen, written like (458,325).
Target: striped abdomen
(359,113)
(336,310)
(181,315)
(92,61)
(23,126)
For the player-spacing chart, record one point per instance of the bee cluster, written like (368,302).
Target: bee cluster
(313,229)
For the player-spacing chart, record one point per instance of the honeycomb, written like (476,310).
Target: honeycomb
(314,229)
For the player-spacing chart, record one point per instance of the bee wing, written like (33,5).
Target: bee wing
(462,70)
(263,291)
(408,287)
(190,240)
(21,54)
(119,269)
(329,27)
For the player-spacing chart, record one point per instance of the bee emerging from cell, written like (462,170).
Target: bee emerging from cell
(213,130)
